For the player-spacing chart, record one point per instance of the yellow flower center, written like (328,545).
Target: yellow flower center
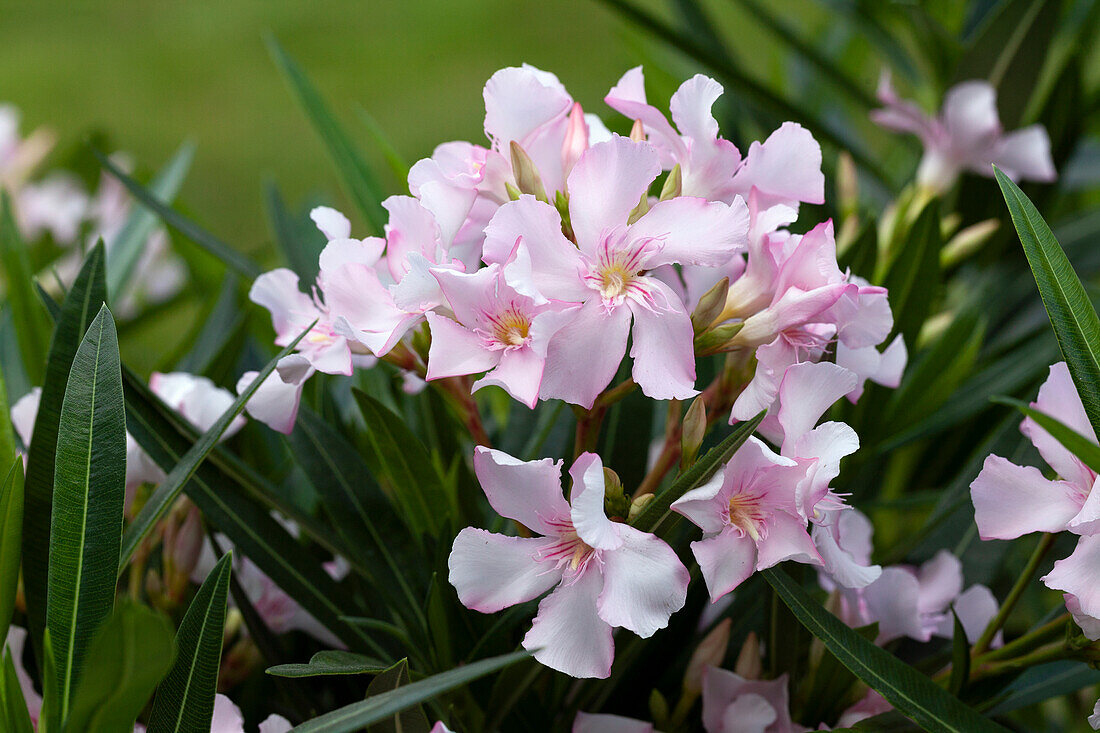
(511,328)
(745,514)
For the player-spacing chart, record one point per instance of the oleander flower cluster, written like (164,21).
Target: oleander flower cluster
(532,264)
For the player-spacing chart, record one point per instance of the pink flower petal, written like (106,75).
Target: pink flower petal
(726,561)
(456,350)
(644,583)
(491,572)
(785,168)
(663,352)
(606,184)
(786,539)
(1078,575)
(526,491)
(602,723)
(585,354)
(1058,398)
(1011,501)
(587,499)
(331,222)
(568,635)
(694,231)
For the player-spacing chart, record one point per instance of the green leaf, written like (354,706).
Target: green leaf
(397,163)
(185,699)
(380,707)
(1071,313)
(357,177)
(300,244)
(960,657)
(1044,682)
(88,293)
(357,507)
(913,277)
(236,511)
(903,687)
(1077,444)
(129,243)
(132,652)
(656,510)
(179,474)
(13,710)
(398,459)
(89,489)
(219,249)
(861,255)
(330,662)
(410,720)
(1010,50)
(222,328)
(11,536)
(19,280)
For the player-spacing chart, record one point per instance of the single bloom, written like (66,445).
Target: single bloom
(750,517)
(785,168)
(733,704)
(606,271)
(966,136)
(1011,501)
(602,574)
(495,329)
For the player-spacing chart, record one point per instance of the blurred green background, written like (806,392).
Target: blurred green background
(152,74)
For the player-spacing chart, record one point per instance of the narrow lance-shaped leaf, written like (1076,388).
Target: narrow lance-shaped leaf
(219,249)
(1071,313)
(233,509)
(700,472)
(89,490)
(88,293)
(133,650)
(169,489)
(330,662)
(32,325)
(129,243)
(360,183)
(380,707)
(7,431)
(905,688)
(14,713)
(11,535)
(913,276)
(185,699)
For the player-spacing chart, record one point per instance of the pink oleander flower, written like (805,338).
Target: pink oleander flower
(602,574)
(966,136)
(786,168)
(197,399)
(524,105)
(607,271)
(797,304)
(496,329)
(868,706)
(376,299)
(19,156)
(733,704)
(916,602)
(1077,576)
(1011,501)
(228,719)
(279,611)
(57,204)
(1090,625)
(604,723)
(1094,719)
(750,517)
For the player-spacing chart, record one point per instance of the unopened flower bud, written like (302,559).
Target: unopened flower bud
(638,506)
(719,339)
(182,554)
(673,184)
(640,210)
(576,138)
(710,653)
(526,174)
(637,132)
(692,433)
(658,708)
(967,242)
(748,663)
(615,502)
(513,192)
(847,185)
(710,306)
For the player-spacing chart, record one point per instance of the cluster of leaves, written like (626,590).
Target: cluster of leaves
(382,478)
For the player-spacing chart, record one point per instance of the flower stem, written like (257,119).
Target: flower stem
(1050,653)
(1046,632)
(1013,597)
